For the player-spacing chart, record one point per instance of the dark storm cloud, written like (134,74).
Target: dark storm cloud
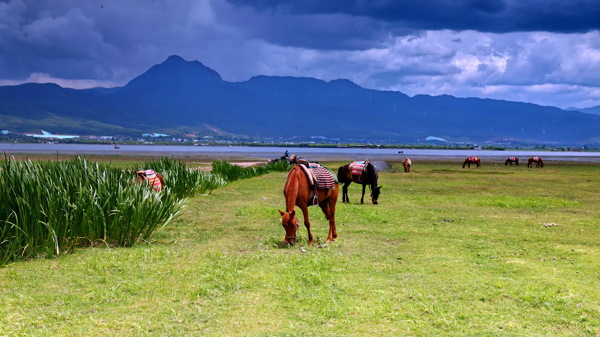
(498,16)
(320,31)
(92,39)
(546,52)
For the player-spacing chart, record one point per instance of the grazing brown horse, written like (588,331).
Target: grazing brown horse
(537,160)
(512,160)
(472,160)
(366,175)
(406,163)
(299,192)
(154,179)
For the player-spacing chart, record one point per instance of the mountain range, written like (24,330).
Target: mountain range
(185,97)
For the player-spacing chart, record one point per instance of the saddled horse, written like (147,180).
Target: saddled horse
(472,160)
(512,160)
(406,163)
(362,173)
(537,160)
(299,192)
(154,179)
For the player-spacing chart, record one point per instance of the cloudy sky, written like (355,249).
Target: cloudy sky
(541,51)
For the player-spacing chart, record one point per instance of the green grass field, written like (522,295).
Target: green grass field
(499,251)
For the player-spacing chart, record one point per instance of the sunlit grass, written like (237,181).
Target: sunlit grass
(446,252)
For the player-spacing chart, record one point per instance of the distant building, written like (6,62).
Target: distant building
(4,132)
(48,135)
(435,139)
(154,135)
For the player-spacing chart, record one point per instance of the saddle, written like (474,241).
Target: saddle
(319,177)
(357,168)
(152,179)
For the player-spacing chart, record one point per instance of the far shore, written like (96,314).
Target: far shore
(264,154)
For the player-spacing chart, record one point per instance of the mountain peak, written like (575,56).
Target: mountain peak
(176,72)
(174,58)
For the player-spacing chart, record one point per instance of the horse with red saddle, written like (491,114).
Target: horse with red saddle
(472,160)
(537,160)
(154,179)
(361,172)
(308,184)
(512,160)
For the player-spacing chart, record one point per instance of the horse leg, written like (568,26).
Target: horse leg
(307,224)
(345,192)
(362,198)
(328,208)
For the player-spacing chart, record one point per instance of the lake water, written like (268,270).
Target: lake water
(265,153)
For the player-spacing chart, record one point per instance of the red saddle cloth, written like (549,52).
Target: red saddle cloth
(357,168)
(472,159)
(325,178)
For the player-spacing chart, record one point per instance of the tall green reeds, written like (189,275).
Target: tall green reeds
(232,172)
(48,208)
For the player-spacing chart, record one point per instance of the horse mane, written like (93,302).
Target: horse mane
(292,187)
(372,174)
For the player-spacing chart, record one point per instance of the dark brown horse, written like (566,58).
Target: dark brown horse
(472,160)
(537,160)
(406,163)
(298,192)
(365,176)
(512,160)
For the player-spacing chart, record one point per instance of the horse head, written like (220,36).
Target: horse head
(375,191)
(289,221)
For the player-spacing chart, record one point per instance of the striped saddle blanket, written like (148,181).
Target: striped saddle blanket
(325,179)
(152,180)
(357,168)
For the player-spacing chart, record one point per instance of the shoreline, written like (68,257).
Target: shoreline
(264,154)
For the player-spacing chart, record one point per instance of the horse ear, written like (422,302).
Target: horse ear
(292,213)
(380,186)
(280,212)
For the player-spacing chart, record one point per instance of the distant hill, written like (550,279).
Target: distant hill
(179,97)
(593,110)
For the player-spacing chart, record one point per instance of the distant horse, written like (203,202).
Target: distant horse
(298,192)
(276,160)
(472,160)
(362,173)
(512,160)
(537,160)
(406,163)
(154,179)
